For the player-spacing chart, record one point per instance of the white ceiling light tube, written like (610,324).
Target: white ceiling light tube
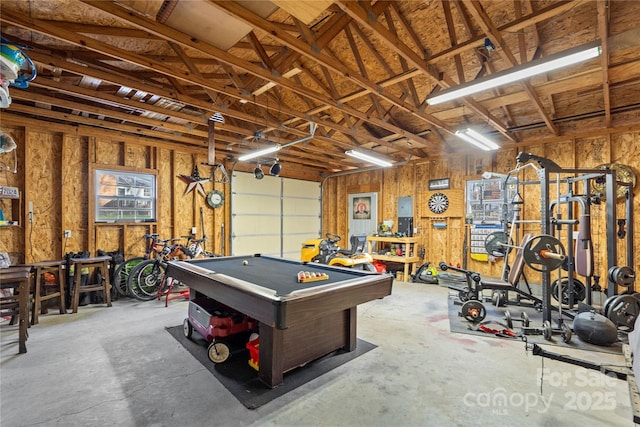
(520,72)
(368,158)
(260,153)
(480,141)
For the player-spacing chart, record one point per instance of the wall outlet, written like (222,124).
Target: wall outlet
(67,234)
(194,230)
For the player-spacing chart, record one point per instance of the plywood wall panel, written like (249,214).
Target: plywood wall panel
(138,156)
(135,244)
(184,213)
(108,152)
(505,160)
(75,197)
(591,152)
(108,238)
(561,153)
(44,154)
(167,178)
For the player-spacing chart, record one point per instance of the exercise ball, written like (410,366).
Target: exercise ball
(595,328)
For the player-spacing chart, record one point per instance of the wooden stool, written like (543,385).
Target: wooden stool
(39,269)
(80,264)
(17,278)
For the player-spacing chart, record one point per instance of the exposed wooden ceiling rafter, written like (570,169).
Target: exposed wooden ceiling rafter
(490,30)
(360,70)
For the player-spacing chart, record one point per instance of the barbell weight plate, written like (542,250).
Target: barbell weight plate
(623,276)
(532,252)
(565,333)
(579,290)
(547,330)
(623,311)
(496,244)
(499,298)
(507,318)
(474,311)
(607,304)
(525,319)
(612,273)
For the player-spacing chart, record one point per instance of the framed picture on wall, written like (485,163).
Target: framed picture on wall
(362,207)
(439,184)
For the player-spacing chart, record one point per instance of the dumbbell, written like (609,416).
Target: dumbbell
(523,318)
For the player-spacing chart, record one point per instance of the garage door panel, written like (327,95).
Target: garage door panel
(297,226)
(298,188)
(300,206)
(247,184)
(248,228)
(257,205)
(274,215)
(265,245)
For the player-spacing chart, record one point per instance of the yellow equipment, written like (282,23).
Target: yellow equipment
(327,251)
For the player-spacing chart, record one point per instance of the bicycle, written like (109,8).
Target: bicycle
(194,248)
(121,274)
(149,275)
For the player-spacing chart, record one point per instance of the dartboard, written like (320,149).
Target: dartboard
(438,203)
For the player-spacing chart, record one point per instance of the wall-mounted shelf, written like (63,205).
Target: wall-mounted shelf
(12,195)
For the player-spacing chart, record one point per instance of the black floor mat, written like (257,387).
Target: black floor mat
(242,380)
(495,314)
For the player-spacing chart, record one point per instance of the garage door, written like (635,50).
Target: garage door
(273,216)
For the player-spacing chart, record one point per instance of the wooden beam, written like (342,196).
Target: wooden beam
(186,40)
(360,15)
(603,33)
(186,60)
(484,21)
(308,51)
(446,6)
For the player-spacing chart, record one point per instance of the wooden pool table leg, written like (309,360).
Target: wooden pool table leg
(352,323)
(271,357)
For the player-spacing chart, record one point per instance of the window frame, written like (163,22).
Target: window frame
(125,195)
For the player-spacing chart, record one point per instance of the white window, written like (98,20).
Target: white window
(125,196)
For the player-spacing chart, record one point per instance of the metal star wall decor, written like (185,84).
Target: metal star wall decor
(194,182)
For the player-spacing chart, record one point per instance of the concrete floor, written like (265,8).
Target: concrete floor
(118,366)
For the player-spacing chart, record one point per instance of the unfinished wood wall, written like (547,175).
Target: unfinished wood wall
(55,175)
(446,244)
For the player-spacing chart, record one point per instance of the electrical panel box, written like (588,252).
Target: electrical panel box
(405,207)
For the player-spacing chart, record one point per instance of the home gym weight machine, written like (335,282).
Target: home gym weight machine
(617,276)
(579,257)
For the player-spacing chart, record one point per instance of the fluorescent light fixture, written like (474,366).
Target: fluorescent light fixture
(533,68)
(260,153)
(368,158)
(480,141)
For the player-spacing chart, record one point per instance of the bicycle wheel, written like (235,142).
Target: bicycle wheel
(121,275)
(145,278)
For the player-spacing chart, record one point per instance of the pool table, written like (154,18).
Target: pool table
(298,322)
